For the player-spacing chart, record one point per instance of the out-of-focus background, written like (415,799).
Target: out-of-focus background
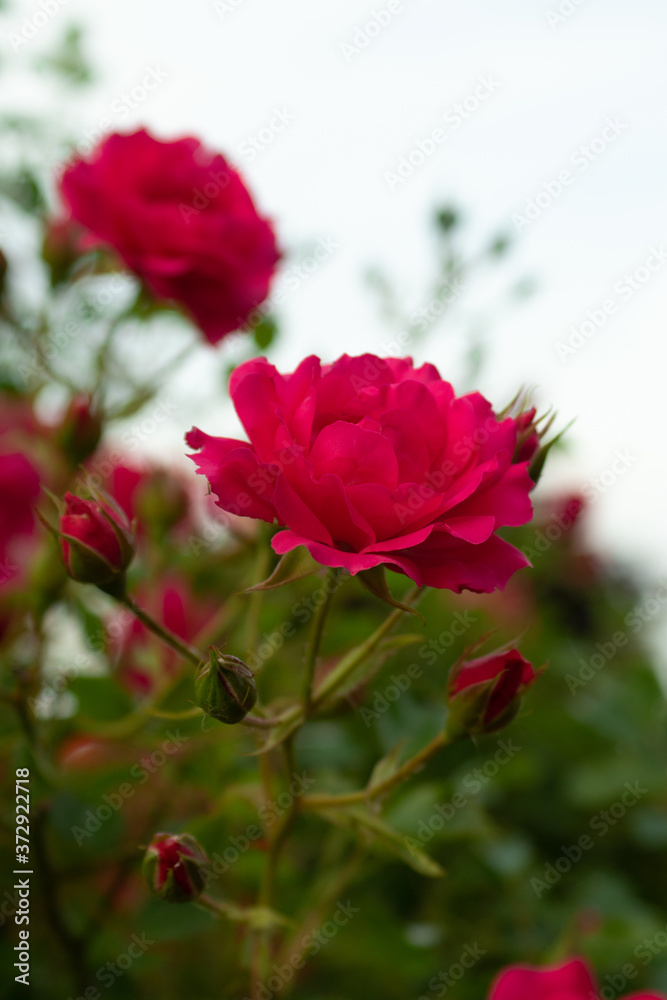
(320,104)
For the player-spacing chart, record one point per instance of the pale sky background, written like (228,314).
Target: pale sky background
(352,115)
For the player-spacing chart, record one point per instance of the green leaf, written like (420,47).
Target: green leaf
(379,834)
(100,698)
(292,566)
(537,465)
(375,582)
(265,332)
(385,768)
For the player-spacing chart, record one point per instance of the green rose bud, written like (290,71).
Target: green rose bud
(225,687)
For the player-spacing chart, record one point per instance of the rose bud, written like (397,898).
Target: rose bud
(225,687)
(173,865)
(527,436)
(485,694)
(97,539)
(80,430)
(62,247)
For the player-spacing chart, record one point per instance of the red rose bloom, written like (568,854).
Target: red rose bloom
(181,218)
(571,981)
(372,461)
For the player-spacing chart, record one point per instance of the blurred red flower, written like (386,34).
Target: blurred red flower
(182,219)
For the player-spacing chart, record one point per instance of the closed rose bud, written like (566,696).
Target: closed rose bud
(527,436)
(225,687)
(174,867)
(485,694)
(80,430)
(61,247)
(96,538)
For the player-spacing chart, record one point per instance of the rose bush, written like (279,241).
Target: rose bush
(371,461)
(181,218)
(571,981)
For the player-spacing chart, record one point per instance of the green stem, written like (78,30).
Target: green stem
(267,889)
(255,603)
(315,640)
(443,739)
(188,652)
(336,678)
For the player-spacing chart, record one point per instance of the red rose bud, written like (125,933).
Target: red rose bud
(61,247)
(80,430)
(225,687)
(174,867)
(527,436)
(97,539)
(485,694)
